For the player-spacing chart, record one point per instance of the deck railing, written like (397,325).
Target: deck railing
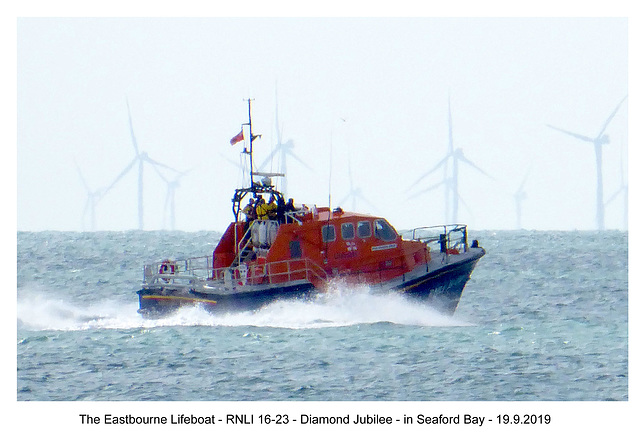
(451,238)
(199,271)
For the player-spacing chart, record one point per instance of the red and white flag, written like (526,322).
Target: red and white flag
(239,137)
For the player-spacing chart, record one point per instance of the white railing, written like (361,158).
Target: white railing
(197,272)
(448,239)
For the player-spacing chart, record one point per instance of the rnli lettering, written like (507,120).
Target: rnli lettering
(384,247)
(239,419)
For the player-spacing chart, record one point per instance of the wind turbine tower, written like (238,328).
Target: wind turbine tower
(140,158)
(519,196)
(451,184)
(624,190)
(170,199)
(355,192)
(598,141)
(93,197)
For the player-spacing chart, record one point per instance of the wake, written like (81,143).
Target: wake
(340,307)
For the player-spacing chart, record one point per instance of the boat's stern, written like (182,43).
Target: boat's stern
(157,302)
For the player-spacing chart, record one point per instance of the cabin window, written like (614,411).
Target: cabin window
(384,231)
(328,233)
(364,229)
(347,231)
(294,250)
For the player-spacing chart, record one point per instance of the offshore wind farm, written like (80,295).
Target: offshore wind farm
(508,81)
(450,166)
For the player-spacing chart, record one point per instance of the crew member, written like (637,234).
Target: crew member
(261,209)
(288,209)
(272,208)
(249,211)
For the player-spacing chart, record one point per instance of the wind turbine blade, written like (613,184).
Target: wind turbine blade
(524,180)
(269,157)
(614,195)
(430,188)
(182,174)
(156,163)
(235,164)
(133,136)
(363,198)
(121,175)
(299,160)
(155,168)
(468,162)
(438,165)
(577,135)
(344,200)
(613,114)
(84,182)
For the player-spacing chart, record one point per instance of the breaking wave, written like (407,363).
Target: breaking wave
(341,306)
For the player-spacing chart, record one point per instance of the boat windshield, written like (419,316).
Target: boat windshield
(384,231)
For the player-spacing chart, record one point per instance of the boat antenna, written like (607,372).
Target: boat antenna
(326,246)
(251,138)
(330,165)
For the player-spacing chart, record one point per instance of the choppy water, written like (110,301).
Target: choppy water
(544,317)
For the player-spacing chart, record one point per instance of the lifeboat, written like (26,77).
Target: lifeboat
(273,250)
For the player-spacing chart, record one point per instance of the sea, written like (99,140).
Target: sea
(541,337)
(544,317)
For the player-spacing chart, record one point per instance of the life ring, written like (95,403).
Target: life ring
(167,267)
(242,273)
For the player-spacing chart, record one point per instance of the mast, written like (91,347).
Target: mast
(250,144)
(255,187)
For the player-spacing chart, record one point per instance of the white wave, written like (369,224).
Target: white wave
(341,306)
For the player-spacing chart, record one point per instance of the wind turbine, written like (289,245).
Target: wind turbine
(170,199)
(355,193)
(140,158)
(624,190)
(597,141)
(93,197)
(519,196)
(451,183)
(282,150)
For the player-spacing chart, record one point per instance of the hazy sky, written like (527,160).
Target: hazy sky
(372,92)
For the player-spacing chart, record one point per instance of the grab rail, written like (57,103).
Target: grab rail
(445,238)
